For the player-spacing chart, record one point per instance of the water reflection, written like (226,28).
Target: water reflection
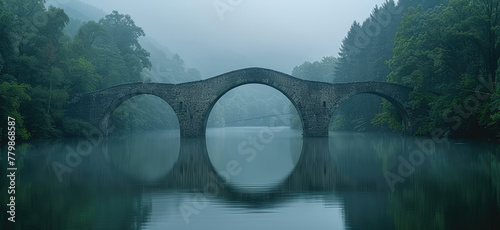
(363,158)
(296,213)
(457,189)
(253,158)
(333,183)
(146,156)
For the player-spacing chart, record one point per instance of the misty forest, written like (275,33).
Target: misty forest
(445,52)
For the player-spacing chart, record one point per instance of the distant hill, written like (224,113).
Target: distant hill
(79,10)
(167,67)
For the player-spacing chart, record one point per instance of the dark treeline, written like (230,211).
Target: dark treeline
(446,51)
(46,56)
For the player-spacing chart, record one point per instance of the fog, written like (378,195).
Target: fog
(213,37)
(277,34)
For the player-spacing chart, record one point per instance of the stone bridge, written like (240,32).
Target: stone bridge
(193,101)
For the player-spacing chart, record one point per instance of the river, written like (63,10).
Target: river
(256,178)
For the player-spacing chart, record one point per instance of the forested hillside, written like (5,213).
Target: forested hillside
(451,50)
(447,51)
(42,65)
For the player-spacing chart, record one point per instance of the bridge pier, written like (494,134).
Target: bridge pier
(315,164)
(192,127)
(315,125)
(192,115)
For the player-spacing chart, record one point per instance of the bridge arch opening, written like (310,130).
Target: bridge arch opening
(271,103)
(254,137)
(140,112)
(369,112)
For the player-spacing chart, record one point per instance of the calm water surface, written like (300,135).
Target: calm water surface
(255,178)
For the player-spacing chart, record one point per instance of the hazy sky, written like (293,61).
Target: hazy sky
(276,34)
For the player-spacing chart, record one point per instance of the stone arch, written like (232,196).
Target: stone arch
(276,80)
(397,95)
(403,112)
(250,83)
(117,101)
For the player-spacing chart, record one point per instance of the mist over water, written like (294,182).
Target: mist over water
(143,181)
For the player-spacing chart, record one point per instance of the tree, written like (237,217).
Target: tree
(323,70)
(112,47)
(7,25)
(124,33)
(449,49)
(488,19)
(89,32)
(11,98)
(82,76)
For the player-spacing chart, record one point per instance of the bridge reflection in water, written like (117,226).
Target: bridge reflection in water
(320,165)
(190,164)
(187,164)
(143,181)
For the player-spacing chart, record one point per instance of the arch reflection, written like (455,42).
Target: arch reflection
(254,159)
(146,157)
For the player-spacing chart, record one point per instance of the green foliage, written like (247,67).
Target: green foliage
(81,75)
(448,49)
(368,45)
(75,127)
(354,114)
(124,34)
(41,67)
(7,24)
(389,116)
(10,101)
(45,111)
(89,32)
(362,57)
(323,70)
(112,47)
